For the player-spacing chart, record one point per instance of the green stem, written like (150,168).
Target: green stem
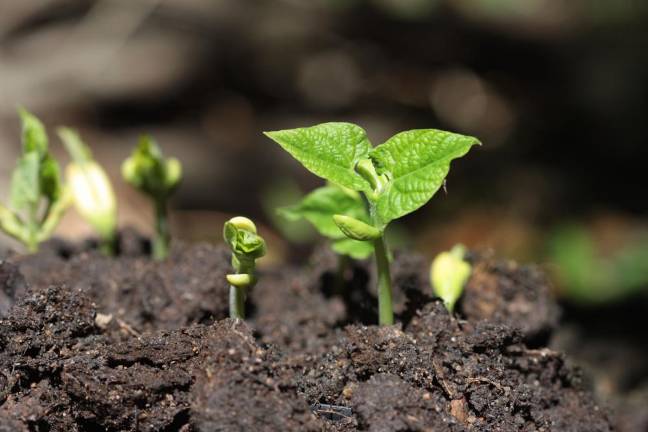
(162,236)
(237,294)
(108,245)
(237,302)
(385,311)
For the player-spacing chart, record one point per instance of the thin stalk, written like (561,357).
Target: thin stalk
(237,294)
(108,245)
(385,311)
(162,236)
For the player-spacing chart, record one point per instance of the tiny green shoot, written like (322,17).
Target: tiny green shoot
(449,274)
(38,198)
(394,178)
(247,246)
(91,190)
(156,176)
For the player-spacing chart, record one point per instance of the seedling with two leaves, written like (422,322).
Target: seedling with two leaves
(38,199)
(158,177)
(394,179)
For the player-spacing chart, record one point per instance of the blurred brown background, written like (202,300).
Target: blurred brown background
(557,91)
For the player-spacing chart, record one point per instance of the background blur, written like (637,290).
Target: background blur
(557,90)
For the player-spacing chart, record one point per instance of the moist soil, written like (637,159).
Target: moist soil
(90,343)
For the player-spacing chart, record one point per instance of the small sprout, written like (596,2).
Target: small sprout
(395,178)
(38,198)
(147,170)
(449,274)
(247,246)
(91,190)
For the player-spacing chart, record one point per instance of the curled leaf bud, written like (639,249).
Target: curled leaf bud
(356,229)
(449,274)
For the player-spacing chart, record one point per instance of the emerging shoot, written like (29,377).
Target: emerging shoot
(91,190)
(395,178)
(147,170)
(38,198)
(449,274)
(247,246)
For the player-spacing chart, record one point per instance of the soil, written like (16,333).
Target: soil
(90,343)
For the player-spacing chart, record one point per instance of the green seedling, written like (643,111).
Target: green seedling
(247,246)
(394,178)
(449,274)
(38,198)
(147,170)
(91,190)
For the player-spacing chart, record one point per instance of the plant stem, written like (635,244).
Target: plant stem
(237,294)
(385,311)
(108,245)
(162,237)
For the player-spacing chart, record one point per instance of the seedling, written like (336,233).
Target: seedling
(147,170)
(91,190)
(449,274)
(394,178)
(247,246)
(38,198)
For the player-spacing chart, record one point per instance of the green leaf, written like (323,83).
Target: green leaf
(353,248)
(243,239)
(417,163)
(50,178)
(319,206)
(77,149)
(34,137)
(25,185)
(356,229)
(328,150)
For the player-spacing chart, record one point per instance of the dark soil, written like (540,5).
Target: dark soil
(90,343)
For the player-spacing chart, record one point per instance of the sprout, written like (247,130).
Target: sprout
(91,190)
(38,198)
(449,274)
(147,170)
(247,246)
(395,179)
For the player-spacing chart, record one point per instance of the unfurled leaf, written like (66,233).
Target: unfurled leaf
(328,150)
(34,137)
(25,184)
(416,162)
(353,248)
(319,206)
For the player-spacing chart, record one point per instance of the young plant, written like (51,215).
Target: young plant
(38,198)
(91,190)
(147,170)
(394,178)
(449,274)
(247,246)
